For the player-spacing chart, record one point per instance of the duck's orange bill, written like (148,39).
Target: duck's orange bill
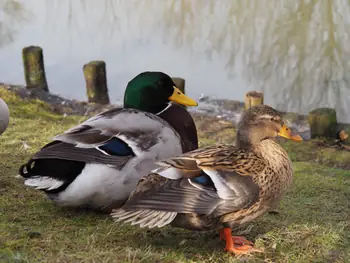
(286,132)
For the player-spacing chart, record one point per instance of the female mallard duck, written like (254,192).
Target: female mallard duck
(99,162)
(218,186)
(4,116)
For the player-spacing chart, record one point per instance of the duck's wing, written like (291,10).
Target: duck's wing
(111,138)
(136,128)
(209,181)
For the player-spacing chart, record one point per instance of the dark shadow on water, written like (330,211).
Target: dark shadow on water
(14,16)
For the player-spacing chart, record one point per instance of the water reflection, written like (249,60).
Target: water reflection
(12,16)
(297,52)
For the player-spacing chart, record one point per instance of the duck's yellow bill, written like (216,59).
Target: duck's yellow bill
(181,98)
(286,132)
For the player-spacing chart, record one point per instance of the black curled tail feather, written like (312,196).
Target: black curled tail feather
(26,169)
(50,175)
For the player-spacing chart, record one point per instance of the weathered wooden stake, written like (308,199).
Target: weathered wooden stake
(323,122)
(180,84)
(96,82)
(34,70)
(253,98)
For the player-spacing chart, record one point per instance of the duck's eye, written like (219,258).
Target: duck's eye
(160,83)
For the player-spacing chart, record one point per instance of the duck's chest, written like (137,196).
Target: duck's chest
(277,176)
(273,181)
(181,120)
(273,186)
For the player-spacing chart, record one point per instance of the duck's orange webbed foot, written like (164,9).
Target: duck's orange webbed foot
(237,244)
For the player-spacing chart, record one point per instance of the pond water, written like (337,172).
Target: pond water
(296,51)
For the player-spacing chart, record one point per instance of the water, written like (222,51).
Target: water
(297,52)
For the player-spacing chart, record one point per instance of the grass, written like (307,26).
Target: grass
(313,223)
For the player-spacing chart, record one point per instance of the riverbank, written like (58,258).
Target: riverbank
(312,224)
(227,110)
(223,109)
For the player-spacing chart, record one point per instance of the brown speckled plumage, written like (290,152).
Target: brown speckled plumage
(219,185)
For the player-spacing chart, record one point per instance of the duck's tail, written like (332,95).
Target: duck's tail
(37,181)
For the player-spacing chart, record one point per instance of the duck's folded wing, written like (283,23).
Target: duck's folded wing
(111,138)
(172,196)
(218,193)
(211,180)
(140,130)
(58,163)
(117,157)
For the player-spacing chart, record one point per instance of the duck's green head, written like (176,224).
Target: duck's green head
(152,91)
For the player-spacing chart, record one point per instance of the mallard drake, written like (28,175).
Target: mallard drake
(4,116)
(99,162)
(218,186)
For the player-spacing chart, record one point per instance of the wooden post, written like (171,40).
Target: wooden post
(180,84)
(34,70)
(253,98)
(96,82)
(323,122)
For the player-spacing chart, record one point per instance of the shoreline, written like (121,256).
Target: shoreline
(222,109)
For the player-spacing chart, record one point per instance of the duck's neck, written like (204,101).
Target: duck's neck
(277,158)
(249,139)
(151,109)
(181,120)
(162,109)
(269,149)
(260,143)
